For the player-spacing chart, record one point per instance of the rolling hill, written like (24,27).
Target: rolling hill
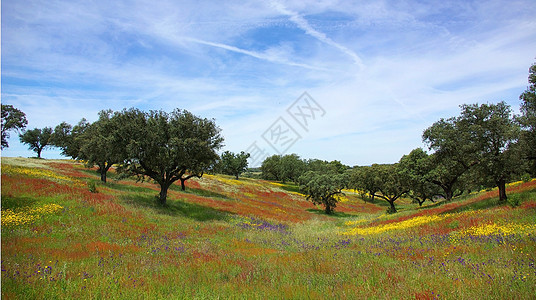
(66,235)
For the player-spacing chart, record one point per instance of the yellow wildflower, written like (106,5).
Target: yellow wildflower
(27,215)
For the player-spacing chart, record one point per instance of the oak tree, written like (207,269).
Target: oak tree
(527,120)
(234,163)
(37,139)
(12,119)
(168,146)
(322,188)
(454,155)
(102,143)
(494,134)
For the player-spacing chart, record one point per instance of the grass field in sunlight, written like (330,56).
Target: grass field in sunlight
(253,239)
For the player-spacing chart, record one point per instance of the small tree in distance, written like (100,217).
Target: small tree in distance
(234,163)
(37,139)
(364,181)
(387,182)
(322,188)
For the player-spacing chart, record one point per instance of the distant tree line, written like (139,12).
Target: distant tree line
(486,145)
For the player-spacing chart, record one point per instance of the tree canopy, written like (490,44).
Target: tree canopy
(392,183)
(37,139)
(494,134)
(454,155)
(168,146)
(527,120)
(12,119)
(67,138)
(290,167)
(102,144)
(417,167)
(322,188)
(364,180)
(234,163)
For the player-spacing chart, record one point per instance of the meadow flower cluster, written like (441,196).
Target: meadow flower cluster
(36,173)
(413,222)
(27,215)
(498,229)
(355,222)
(340,198)
(252,223)
(417,221)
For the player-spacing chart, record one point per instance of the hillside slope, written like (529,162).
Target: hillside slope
(226,238)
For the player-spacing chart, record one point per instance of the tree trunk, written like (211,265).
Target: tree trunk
(448,193)
(103,176)
(163,194)
(39,152)
(501,184)
(236,175)
(392,208)
(183,186)
(328,210)
(103,169)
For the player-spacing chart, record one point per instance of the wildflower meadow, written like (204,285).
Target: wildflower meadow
(67,235)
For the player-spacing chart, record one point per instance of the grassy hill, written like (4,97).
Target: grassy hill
(254,239)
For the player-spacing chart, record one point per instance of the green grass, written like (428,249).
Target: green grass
(200,192)
(335,214)
(175,208)
(290,187)
(120,244)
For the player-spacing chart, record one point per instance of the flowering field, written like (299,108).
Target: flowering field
(227,238)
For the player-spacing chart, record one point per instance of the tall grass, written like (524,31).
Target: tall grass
(251,239)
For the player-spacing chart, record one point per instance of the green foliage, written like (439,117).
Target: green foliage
(527,120)
(454,155)
(168,146)
(393,184)
(283,168)
(270,168)
(387,182)
(323,188)
(12,119)
(290,167)
(37,139)
(318,165)
(233,163)
(365,181)
(67,138)
(494,135)
(526,177)
(417,166)
(102,143)
(92,186)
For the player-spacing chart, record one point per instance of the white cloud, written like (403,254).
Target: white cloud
(383,70)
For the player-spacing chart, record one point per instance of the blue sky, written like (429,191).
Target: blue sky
(381,71)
